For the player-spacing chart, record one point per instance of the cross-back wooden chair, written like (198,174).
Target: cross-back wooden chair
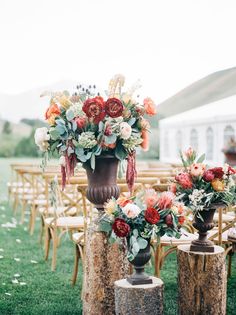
(55,226)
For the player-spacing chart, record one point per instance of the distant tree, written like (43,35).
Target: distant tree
(7,130)
(35,123)
(27,146)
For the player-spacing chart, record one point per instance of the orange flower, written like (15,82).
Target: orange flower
(145,137)
(150,107)
(52,111)
(123,201)
(217,184)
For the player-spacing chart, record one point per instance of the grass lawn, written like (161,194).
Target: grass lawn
(40,291)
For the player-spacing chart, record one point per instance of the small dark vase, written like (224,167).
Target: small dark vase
(139,262)
(230,157)
(102,182)
(202,244)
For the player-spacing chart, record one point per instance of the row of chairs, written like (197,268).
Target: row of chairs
(70,212)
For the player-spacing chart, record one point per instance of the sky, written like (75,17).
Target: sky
(167,44)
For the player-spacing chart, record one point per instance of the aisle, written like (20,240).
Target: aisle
(27,285)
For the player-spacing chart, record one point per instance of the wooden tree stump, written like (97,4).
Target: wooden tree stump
(143,299)
(201,281)
(104,264)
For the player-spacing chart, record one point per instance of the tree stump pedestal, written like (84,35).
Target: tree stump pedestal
(104,264)
(143,299)
(201,281)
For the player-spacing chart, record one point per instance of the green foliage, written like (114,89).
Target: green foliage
(7,130)
(27,147)
(35,123)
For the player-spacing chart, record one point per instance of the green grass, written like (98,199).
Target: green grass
(50,293)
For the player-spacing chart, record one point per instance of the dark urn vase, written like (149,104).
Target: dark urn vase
(230,158)
(139,262)
(102,182)
(202,244)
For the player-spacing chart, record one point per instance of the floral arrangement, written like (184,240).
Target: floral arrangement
(199,186)
(142,217)
(231,146)
(85,125)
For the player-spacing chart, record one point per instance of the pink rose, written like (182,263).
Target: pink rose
(208,176)
(125,130)
(81,122)
(184,180)
(166,200)
(197,169)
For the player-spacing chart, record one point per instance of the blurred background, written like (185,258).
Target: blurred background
(182,51)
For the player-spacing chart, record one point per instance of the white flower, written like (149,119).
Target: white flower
(125,130)
(62,161)
(131,210)
(41,138)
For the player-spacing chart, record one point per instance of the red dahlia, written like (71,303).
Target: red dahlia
(217,171)
(120,227)
(114,107)
(94,108)
(152,216)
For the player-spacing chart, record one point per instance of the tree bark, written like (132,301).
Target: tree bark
(104,264)
(201,281)
(143,299)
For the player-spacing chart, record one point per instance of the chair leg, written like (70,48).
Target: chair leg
(54,250)
(157,260)
(24,203)
(32,219)
(76,265)
(41,230)
(47,242)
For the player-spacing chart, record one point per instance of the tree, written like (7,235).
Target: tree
(7,130)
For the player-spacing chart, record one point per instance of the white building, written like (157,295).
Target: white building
(207,129)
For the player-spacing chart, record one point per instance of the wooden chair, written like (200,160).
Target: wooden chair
(60,223)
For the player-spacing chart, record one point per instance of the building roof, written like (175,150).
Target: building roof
(215,111)
(214,87)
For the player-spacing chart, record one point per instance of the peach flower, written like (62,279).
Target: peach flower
(166,200)
(150,107)
(52,112)
(131,210)
(125,130)
(151,198)
(197,169)
(145,143)
(123,201)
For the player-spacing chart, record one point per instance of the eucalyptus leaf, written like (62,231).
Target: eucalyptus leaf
(70,114)
(79,151)
(135,233)
(100,126)
(120,152)
(105,226)
(135,248)
(74,126)
(110,139)
(54,134)
(142,242)
(132,121)
(201,158)
(92,162)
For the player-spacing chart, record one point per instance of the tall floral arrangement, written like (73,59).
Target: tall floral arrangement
(199,186)
(140,218)
(85,125)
